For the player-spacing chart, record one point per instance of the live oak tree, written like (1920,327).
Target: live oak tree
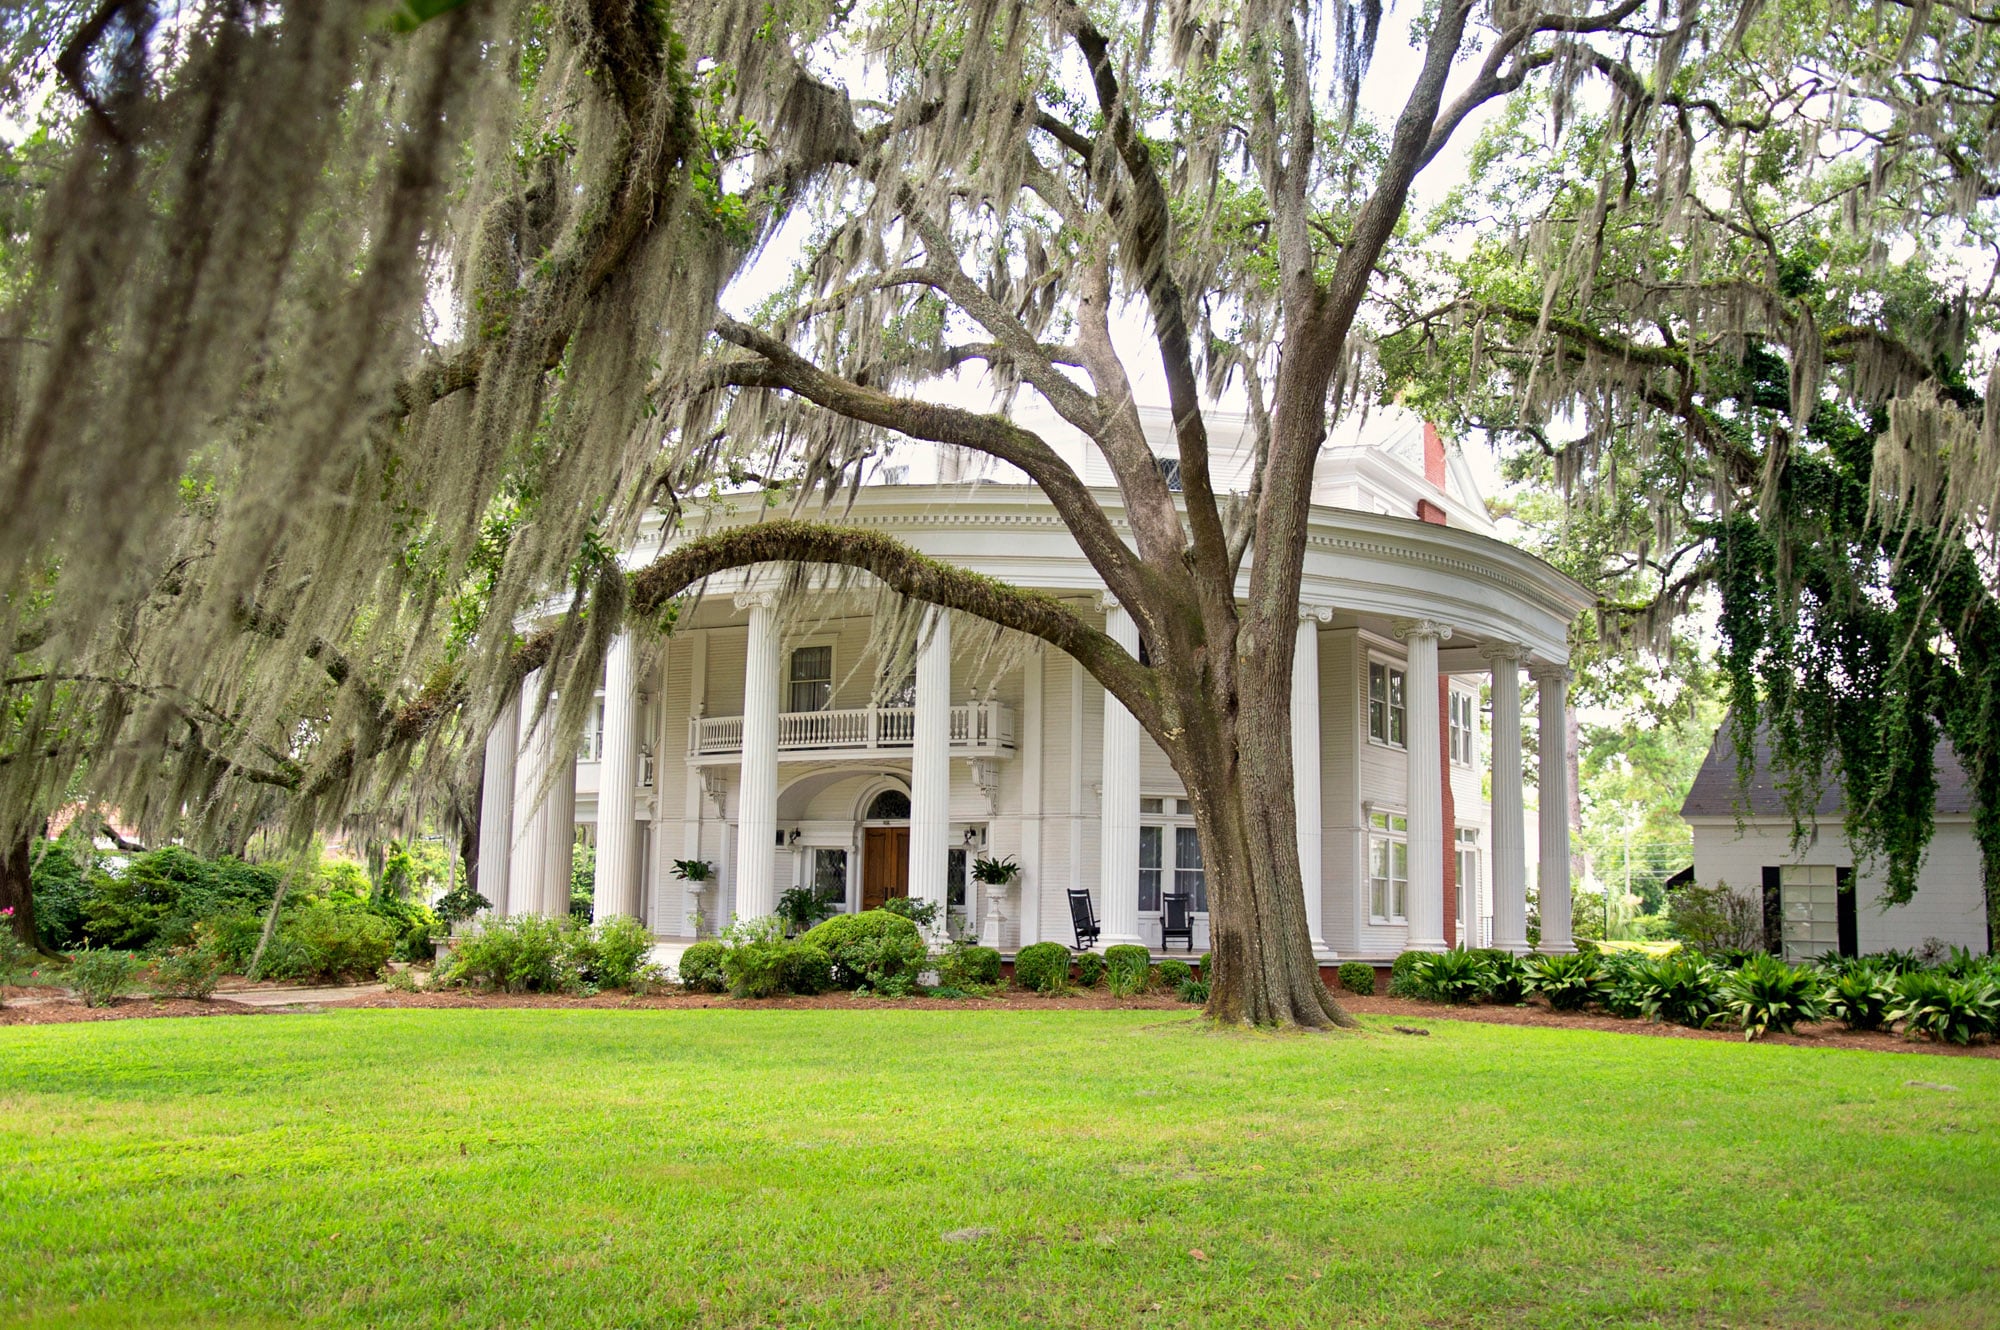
(1748,358)
(312,349)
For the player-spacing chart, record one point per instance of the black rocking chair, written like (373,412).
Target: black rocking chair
(1176,920)
(1083,919)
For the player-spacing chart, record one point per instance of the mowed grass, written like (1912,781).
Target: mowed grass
(803,1168)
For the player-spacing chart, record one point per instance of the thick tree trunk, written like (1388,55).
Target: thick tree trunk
(1238,773)
(17,889)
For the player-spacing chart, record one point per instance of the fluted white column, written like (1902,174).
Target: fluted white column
(531,822)
(1306,765)
(560,810)
(1426,802)
(930,764)
(757,793)
(1118,848)
(1553,681)
(1510,874)
(496,805)
(617,887)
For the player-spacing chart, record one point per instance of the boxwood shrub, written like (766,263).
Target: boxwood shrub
(807,969)
(840,936)
(1358,977)
(969,968)
(1174,973)
(701,968)
(1042,968)
(1128,967)
(1402,975)
(1090,968)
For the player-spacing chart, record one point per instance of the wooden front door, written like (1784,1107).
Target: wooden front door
(885,865)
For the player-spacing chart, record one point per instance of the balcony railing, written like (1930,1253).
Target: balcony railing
(979,728)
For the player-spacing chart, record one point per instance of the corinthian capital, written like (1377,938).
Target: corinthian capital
(1504,651)
(1405,629)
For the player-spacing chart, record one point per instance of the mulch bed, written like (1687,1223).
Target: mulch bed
(1412,1014)
(1827,1034)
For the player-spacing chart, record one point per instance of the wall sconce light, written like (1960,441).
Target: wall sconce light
(794,838)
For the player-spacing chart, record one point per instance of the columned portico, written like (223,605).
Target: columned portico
(1306,754)
(930,764)
(1426,775)
(531,820)
(1553,736)
(617,884)
(496,805)
(1118,851)
(1510,877)
(757,792)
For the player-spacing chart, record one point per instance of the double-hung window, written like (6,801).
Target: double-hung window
(812,679)
(1464,728)
(1388,868)
(1468,885)
(1170,855)
(1386,711)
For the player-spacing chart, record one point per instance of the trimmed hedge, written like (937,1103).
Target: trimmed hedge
(1358,977)
(1128,967)
(1090,969)
(701,968)
(1174,973)
(1042,968)
(966,967)
(841,937)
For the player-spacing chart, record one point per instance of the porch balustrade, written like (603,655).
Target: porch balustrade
(976,728)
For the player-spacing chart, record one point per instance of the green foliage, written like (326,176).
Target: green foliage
(459,904)
(1951,1010)
(754,957)
(582,879)
(1682,989)
(969,968)
(1173,973)
(330,943)
(1042,968)
(888,965)
(1128,968)
(1715,920)
(701,968)
(802,907)
(1451,976)
(923,914)
(1206,969)
(619,949)
(188,972)
(61,884)
(1358,977)
(1860,996)
(16,956)
(807,970)
(1193,991)
(1090,969)
(1569,982)
(520,954)
(842,936)
(102,975)
(1402,975)
(158,896)
(995,872)
(1509,975)
(1766,994)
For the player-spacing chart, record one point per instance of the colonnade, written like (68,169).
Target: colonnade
(525,860)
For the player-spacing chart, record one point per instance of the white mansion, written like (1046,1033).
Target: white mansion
(766,741)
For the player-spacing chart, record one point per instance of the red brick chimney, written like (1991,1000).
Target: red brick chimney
(1434,473)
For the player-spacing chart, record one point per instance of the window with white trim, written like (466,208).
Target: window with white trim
(592,747)
(812,679)
(1388,868)
(1809,895)
(1170,855)
(1387,713)
(1468,884)
(1463,714)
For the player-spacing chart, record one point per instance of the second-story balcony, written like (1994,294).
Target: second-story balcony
(978,729)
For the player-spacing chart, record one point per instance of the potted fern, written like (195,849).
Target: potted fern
(995,876)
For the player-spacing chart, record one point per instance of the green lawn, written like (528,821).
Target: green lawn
(724,1168)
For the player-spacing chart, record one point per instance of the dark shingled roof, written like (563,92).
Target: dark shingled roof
(1715,792)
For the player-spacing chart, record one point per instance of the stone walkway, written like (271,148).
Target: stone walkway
(299,997)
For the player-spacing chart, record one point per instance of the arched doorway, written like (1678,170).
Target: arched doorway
(885,849)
